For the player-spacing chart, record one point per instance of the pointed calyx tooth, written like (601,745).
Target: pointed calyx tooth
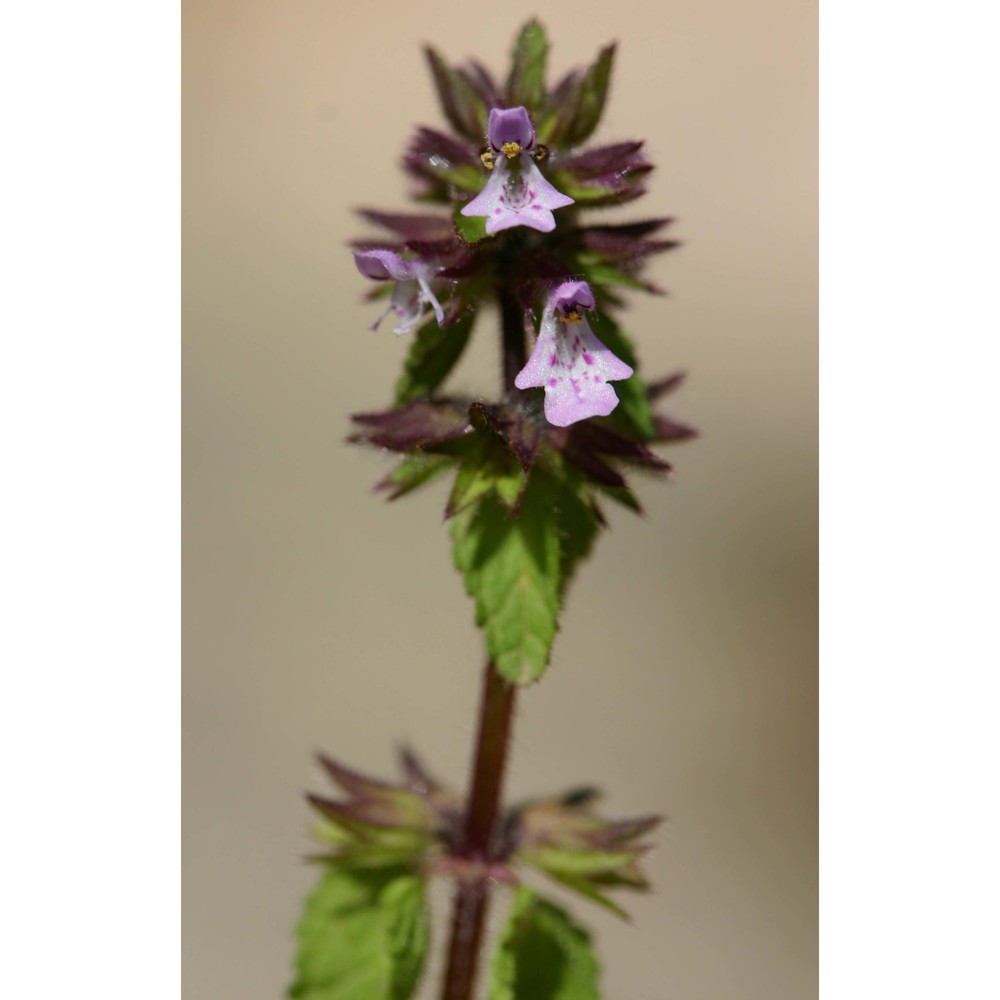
(411,428)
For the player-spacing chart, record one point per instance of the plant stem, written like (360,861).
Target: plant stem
(514,353)
(496,711)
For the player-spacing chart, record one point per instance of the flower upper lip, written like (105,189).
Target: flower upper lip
(510,126)
(516,193)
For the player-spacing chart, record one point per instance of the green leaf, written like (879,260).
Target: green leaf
(591,97)
(517,569)
(543,955)
(471,228)
(434,352)
(526,83)
(462,106)
(487,464)
(511,569)
(408,926)
(363,936)
(633,412)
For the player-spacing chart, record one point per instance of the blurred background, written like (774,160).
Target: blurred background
(684,679)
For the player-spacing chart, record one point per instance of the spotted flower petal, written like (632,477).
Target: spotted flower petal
(569,362)
(517,196)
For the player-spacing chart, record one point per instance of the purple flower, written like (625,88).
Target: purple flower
(412,292)
(516,194)
(572,365)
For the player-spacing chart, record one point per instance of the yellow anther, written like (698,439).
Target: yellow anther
(487,159)
(511,149)
(573,317)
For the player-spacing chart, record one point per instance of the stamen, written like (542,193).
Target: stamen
(573,316)
(487,159)
(510,149)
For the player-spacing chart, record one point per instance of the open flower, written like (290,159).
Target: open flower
(516,194)
(572,365)
(412,292)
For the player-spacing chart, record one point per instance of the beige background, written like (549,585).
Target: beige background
(318,617)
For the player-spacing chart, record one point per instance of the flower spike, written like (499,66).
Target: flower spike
(516,193)
(569,362)
(412,292)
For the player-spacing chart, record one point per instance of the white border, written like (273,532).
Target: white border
(909,329)
(89,400)
(91,519)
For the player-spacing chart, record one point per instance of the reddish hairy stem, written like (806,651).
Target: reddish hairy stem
(512,318)
(496,711)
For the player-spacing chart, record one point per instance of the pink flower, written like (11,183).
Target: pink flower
(516,193)
(569,362)
(412,292)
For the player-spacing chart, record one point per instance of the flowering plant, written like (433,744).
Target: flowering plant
(504,198)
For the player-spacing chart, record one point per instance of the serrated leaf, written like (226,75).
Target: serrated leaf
(511,569)
(633,410)
(526,83)
(542,955)
(434,352)
(363,936)
(591,97)
(517,569)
